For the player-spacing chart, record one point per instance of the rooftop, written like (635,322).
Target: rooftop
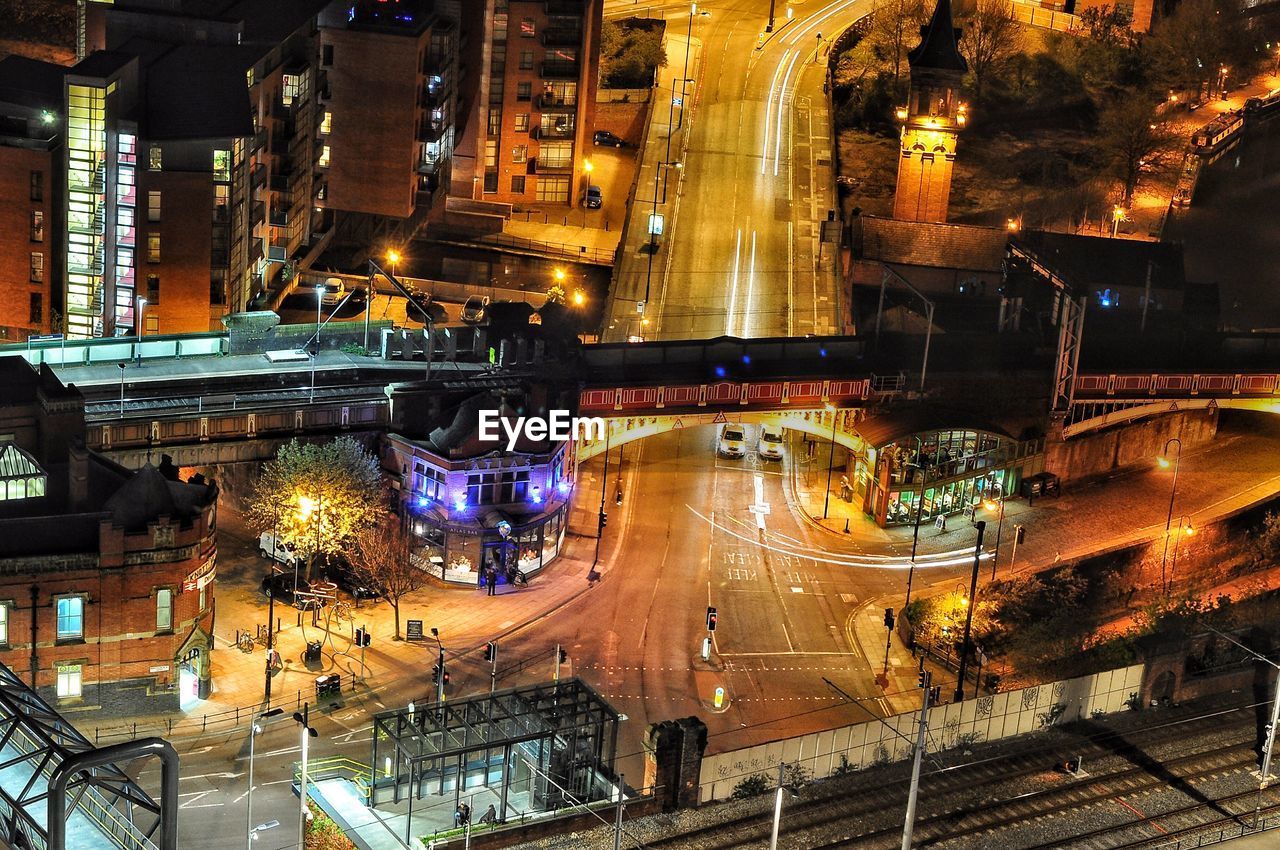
(1091,263)
(939,48)
(31,83)
(937,245)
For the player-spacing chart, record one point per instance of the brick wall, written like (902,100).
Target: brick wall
(1096,454)
(625,120)
(186,243)
(16,245)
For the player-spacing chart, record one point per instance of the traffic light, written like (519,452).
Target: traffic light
(604,520)
(1019,533)
(362,637)
(490,651)
(446,675)
(435,674)
(888,618)
(922,679)
(564,656)
(711,619)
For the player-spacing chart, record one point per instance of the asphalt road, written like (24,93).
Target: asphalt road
(740,255)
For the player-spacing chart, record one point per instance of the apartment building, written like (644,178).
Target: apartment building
(30,163)
(388,155)
(528,99)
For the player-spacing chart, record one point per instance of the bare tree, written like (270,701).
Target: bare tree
(1191,46)
(991,38)
(1133,139)
(895,31)
(381,555)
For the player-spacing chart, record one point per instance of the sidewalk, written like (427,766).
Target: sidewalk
(464,616)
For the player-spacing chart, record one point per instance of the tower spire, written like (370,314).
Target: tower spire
(939,43)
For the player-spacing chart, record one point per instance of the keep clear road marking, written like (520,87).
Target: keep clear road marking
(761,507)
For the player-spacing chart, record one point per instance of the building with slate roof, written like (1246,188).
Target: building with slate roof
(111,569)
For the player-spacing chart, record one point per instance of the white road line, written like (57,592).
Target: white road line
(782,100)
(733,289)
(791,278)
(764,148)
(751,289)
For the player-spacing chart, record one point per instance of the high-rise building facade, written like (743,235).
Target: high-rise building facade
(532,70)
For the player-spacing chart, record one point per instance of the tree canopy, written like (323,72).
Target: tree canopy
(316,496)
(630,52)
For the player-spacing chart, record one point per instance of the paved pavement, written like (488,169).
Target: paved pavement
(598,230)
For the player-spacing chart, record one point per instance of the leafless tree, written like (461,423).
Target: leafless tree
(1134,140)
(895,31)
(991,38)
(381,555)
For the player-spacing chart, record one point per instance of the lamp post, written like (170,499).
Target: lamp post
(688,40)
(1185,529)
(254,731)
(122,368)
(991,506)
(303,717)
(968,615)
(915,534)
(1117,216)
(777,807)
(831,459)
(1165,463)
(139,306)
(320,291)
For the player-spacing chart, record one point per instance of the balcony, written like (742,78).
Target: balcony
(560,69)
(281,182)
(279,218)
(556,103)
(561,37)
(257,213)
(259,141)
(538,166)
(430,131)
(257,175)
(279,145)
(563,129)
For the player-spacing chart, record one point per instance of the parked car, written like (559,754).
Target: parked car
(281,586)
(423,302)
(474,309)
(594,198)
(769,446)
(732,441)
(340,571)
(604,137)
(270,547)
(334,291)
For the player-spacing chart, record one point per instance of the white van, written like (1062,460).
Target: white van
(270,547)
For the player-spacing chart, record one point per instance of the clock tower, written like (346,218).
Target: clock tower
(931,121)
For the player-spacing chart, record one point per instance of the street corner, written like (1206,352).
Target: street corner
(713,690)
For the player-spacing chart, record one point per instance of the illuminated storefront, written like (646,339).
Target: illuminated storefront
(913,464)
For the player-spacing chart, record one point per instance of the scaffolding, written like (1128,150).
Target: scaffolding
(47,767)
(535,748)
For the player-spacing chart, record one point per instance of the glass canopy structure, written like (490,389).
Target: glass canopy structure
(529,749)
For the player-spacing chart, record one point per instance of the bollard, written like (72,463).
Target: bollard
(204,722)
(846,525)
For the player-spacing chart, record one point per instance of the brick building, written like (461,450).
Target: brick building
(30,163)
(391,153)
(528,99)
(111,570)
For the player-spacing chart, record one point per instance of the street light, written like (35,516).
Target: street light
(393,257)
(1165,463)
(991,506)
(915,534)
(254,731)
(1185,529)
(970,603)
(307,733)
(320,291)
(831,459)
(122,368)
(1117,216)
(137,320)
(578,298)
(688,39)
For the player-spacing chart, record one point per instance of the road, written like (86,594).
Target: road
(740,252)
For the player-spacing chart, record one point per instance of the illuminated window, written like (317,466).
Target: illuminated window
(499,26)
(326,123)
(221,196)
(491,154)
(164,609)
(495,120)
(324,157)
(553,190)
(70,617)
(153,206)
(4,623)
(37,268)
(222,166)
(153,247)
(154,158)
(69,684)
(37,226)
(290,92)
(527,28)
(520,153)
(522,122)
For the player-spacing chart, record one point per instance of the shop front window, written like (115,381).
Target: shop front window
(552,530)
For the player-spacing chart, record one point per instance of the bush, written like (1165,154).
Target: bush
(354,348)
(752,786)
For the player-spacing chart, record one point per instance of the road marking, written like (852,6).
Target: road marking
(751,288)
(761,507)
(764,148)
(733,289)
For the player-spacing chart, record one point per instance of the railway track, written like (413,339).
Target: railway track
(1169,827)
(953,801)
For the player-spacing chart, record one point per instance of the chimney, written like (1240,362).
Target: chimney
(78,476)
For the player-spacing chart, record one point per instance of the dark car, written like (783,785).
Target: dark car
(280,585)
(604,137)
(593,198)
(351,580)
(425,302)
